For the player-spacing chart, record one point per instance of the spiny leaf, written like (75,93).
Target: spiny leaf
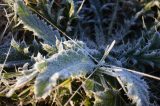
(67,62)
(22,81)
(60,66)
(51,50)
(137,89)
(34,24)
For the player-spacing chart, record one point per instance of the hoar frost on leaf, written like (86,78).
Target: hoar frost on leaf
(66,63)
(34,24)
(137,88)
(68,58)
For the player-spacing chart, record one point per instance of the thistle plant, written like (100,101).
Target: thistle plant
(59,60)
(69,58)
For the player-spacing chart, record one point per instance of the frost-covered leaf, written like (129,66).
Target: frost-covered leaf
(67,62)
(108,98)
(22,81)
(62,65)
(20,47)
(36,25)
(140,52)
(137,88)
(15,45)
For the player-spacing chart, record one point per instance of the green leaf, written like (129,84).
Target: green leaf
(89,87)
(107,98)
(67,84)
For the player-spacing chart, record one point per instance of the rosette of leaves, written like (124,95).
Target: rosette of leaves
(71,59)
(140,52)
(100,20)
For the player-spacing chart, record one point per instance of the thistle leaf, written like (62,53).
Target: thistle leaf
(22,81)
(34,24)
(137,89)
(60,66)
